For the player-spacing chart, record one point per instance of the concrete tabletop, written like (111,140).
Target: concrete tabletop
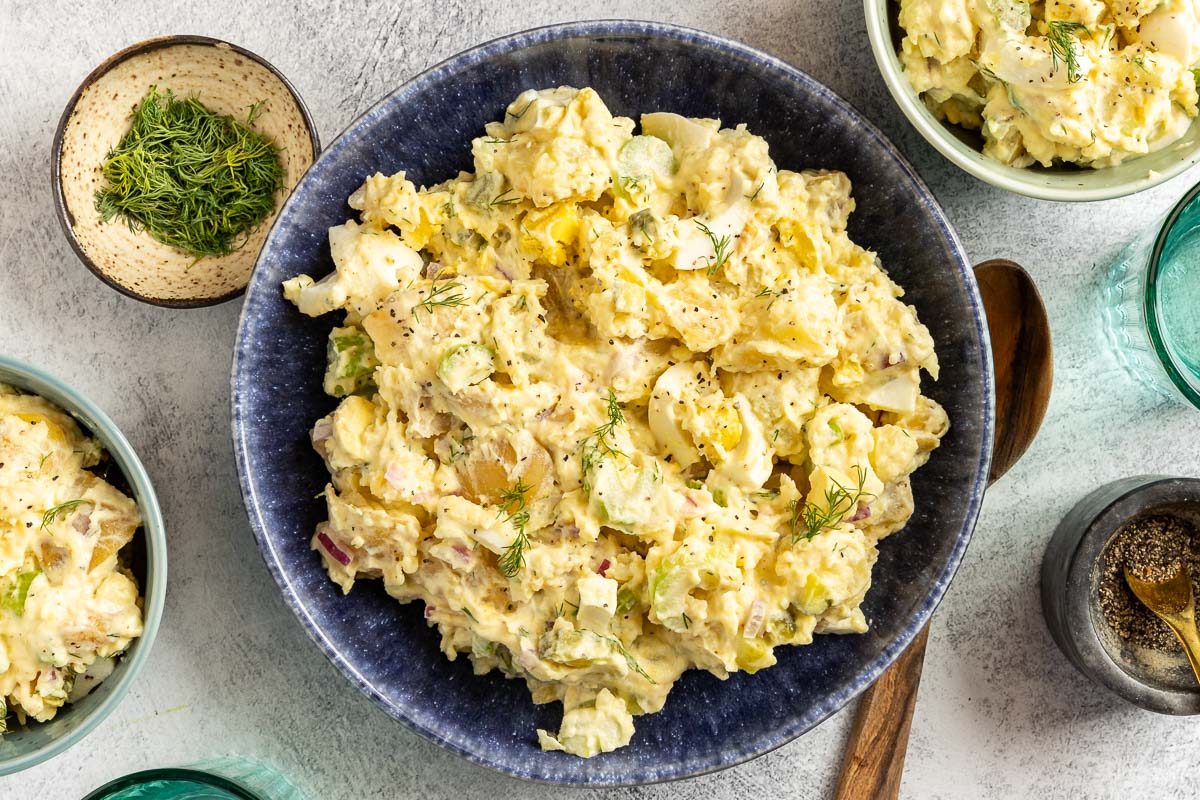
(1001,714)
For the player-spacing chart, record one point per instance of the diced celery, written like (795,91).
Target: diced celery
(753,655)
(465,365)
(17,591)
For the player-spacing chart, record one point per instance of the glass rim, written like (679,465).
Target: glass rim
(171,773)
(1150,300)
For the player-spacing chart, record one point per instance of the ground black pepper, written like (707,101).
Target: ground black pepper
(1152,548)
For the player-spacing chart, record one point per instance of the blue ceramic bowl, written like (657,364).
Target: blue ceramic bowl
(37,742)
(425,127)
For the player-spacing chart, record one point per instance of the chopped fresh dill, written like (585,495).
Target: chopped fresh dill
(520,113)
(809,519)
(467,611)
(629,659)
(687,621)
(1140,63)
(513,504)
(42,461)
(1063,37)
(57,511)
(193,179)
(441,294)
(503,200)
(630,183)
(753,197)
(598,445)
(722,247)
(494,140)
(451,212)
(837,431)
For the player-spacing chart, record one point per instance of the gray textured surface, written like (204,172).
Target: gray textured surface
(1001,713)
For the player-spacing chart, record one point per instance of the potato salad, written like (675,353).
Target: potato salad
(67,605)
(1089,82)
(616,405)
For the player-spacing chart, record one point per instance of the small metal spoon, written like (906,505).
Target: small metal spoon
(1171,601)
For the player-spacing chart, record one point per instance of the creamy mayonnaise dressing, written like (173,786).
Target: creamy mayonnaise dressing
(616,406)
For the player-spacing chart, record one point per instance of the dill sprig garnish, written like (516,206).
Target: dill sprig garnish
(629,659)
(503,199)
(1063,36)
(441,295)
(599,444)
(191,178)
(60,510)
(809,519)
(722,247)
(520,113)
(513,504)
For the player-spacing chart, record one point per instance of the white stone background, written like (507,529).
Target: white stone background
(1001,713)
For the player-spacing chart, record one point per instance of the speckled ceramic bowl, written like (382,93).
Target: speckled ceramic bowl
(1158,682)
(425,127)
(964,148)
(29,746)
(228,80)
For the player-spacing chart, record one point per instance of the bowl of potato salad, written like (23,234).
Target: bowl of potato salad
(598,422)
(1060,100)
(82,566)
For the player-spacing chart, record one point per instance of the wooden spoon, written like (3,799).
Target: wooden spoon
(1024,370)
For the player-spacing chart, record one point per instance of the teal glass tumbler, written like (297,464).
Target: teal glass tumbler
(1152,304)
(224,779)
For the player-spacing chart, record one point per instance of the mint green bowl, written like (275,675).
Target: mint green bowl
(963,147)
(37,742)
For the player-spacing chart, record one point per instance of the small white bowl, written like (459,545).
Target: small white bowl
(1068,183)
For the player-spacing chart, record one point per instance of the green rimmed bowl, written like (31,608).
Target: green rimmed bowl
(37,742)
(963,148)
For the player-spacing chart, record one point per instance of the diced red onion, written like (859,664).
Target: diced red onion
(862,513)
(754,622)
(339,555)
(528,659)
(892,359)
(82,522)
(423,497)
(506,273)
(322,431)
(429,611)
(604,565)
(463,551)
(396,476)
(571,531)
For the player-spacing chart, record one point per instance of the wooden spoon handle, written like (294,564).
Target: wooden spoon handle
(874,761)
(1020,336)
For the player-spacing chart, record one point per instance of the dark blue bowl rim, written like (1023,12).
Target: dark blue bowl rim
(811,717)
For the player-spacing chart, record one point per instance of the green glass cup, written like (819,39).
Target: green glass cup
(1152,304)
(223,779)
